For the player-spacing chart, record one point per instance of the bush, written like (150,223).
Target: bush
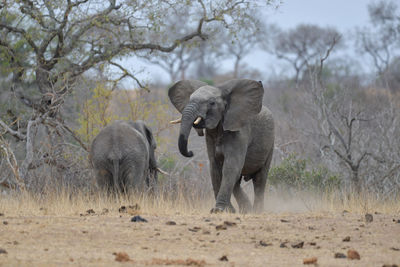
(293,173)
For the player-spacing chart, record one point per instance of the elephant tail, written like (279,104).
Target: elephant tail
(116,174)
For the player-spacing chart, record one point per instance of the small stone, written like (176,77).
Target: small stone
(3,251)
(346,239)
(264,244)
(283,245)
(221,227)
(228,223)
(90,211)
(5,222)
(137,218)
(122,209)
(170,223)
(284,221)
(369,218)
(194,229)
(390,265)
(395,249)
(121,256)
(353,254)
(205,232)
(339,255)
(312,260)
(223,258)
(1,214)
(298,245)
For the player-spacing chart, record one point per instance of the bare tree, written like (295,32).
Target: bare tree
(300,46)
(208,56)
(339,121)
(381,41)
(242,43)
(176,63)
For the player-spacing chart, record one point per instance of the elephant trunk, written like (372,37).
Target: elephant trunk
(189,114)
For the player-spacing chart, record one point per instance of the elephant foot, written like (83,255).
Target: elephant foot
(245,210)
(258,209)
(228,209)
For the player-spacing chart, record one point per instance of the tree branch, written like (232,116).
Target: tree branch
(17,134)
(126,73)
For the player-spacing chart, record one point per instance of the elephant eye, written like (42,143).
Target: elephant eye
(212,103)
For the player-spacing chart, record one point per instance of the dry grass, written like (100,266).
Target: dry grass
(64,202)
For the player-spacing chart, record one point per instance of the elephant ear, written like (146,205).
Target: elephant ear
(180,92)
(149,136)
(244,100)
(145,131)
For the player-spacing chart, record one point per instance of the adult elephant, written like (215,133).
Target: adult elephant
(122,155)
(239,135)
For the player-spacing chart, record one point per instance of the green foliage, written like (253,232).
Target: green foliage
(105,106)
(167,163)
(293,173)
(93,116)
(207,81)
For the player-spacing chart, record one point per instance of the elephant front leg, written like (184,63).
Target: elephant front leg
(216,176)
(215,165)
(230,175)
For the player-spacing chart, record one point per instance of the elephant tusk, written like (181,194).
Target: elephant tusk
(197,121)
(176,121)
(163,172)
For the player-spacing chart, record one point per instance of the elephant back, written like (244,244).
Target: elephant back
(120,141)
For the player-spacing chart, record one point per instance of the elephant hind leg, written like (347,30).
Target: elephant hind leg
(104,179)
(241,198)
(259,182)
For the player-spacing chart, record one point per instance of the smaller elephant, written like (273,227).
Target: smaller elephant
(122,155)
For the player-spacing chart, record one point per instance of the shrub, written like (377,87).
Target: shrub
(293,173)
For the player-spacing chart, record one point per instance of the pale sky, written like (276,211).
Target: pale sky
(344,15)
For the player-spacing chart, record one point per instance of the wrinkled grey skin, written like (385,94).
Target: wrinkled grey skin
(239,136)
(122,155)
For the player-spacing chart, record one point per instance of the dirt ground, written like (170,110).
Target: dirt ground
(110,238)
